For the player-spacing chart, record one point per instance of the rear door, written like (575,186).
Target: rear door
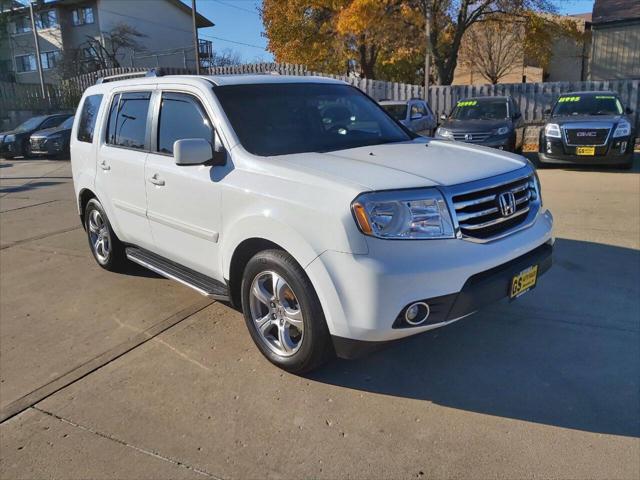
(121,161)
(183,201)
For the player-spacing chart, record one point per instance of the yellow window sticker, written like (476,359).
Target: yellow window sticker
(467,103)
(568,99)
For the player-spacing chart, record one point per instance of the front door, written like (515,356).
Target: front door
(183,201)
(121,161)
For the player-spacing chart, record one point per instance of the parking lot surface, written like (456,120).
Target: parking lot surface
(107,375)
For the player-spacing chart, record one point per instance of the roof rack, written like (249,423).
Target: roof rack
(155,72)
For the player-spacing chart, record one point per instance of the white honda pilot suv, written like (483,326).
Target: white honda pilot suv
(300,201)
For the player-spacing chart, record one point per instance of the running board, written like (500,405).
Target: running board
(200,283)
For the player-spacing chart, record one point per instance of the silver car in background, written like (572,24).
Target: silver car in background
(415,114)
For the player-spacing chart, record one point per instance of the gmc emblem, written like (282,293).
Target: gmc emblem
(586,134)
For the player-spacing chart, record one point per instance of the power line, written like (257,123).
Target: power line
(232,41)
(236,7)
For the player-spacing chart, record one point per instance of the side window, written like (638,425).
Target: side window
(418,109)
(88,117)
(128,120)
(181,116)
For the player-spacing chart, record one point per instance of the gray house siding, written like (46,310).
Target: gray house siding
(616,51)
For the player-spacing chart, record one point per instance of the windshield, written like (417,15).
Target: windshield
(397,111)
(587,105)
(30,124)
(68,123)
(285,118)
(480,109)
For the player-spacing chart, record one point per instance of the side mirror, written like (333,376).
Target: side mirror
(547,111)
(517,115)
(628,111)
(443,117)
(192,151)
(219,152)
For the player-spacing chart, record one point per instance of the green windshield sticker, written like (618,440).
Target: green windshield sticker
(568,99)
(605,97)
(468,103)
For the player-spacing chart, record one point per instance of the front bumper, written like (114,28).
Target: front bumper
(617,151)
(362,295)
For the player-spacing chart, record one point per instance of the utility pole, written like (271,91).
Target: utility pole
(38,59)
(195,36)
(427,55)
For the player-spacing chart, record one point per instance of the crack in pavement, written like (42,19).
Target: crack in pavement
(128,445)
(96,363)
(39,237)
(28,206)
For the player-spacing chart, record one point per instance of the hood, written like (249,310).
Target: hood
(421,163)
(586,119)
(464,126)
(50,131)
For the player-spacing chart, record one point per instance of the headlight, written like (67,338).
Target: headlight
(404,214)
(502,131)
(623,129)
(444,133)
(9,138)
(552,130)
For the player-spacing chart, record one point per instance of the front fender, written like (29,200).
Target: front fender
(267,228)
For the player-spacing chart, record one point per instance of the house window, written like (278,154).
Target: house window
(26,63)
(49,59)
(83,16)
(47,19)
(23,24)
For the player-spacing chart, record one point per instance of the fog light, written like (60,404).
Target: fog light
(623,147)
(500,147)
(417,313)
(549,147)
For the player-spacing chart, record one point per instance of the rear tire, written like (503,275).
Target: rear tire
(106,248)
(283,313)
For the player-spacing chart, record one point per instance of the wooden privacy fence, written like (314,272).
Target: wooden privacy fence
(533,98)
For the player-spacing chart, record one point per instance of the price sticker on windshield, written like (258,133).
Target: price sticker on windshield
(467,103)
(568,99)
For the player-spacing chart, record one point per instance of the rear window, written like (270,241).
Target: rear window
(88,117)
(128,120)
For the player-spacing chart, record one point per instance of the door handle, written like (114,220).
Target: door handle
(104,166)
(156,180)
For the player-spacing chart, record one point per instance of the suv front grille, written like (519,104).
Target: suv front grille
(476,137)
(586,136)
(481,214)
(37,143)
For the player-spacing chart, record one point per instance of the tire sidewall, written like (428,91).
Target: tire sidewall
(312,313)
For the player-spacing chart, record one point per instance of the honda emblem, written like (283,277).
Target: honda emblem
(507,203)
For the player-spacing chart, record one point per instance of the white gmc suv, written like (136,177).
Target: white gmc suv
(302,202)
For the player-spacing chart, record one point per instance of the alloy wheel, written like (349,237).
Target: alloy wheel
(99,236)
(276,313)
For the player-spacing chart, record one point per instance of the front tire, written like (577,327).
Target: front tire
(105,246)
(283,313)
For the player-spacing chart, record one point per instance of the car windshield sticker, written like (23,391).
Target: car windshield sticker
(467,103)
(568,99)
(605,97)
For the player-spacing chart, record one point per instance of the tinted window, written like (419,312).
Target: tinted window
(52,122)
(88,118)
(480,109)
(67,124)
(285,118)
(30,124)
(397,111)
(181,116)
(128,120)
(588,104)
